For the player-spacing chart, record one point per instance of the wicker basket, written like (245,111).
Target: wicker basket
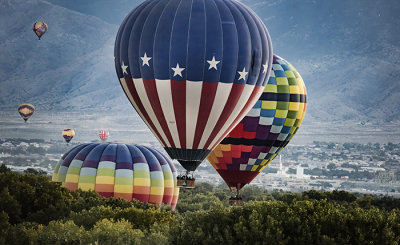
(180,182)
(189,183)
(185,183)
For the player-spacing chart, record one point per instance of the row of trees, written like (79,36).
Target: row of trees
(34,210)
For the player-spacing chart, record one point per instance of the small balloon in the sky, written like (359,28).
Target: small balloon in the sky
(68,134)
(103,134)
(26,111)
(39,28)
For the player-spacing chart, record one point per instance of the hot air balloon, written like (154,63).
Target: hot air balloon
(26,111)
(192,70)
(265,130)
(119,170)
(103,134)
(68,134)
(39,28)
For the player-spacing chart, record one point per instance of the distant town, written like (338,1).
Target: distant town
(364,168)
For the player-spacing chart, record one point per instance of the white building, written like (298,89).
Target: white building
(300,173)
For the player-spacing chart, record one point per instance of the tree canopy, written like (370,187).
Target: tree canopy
(34,210)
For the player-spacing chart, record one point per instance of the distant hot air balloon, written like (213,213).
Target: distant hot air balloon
(265,130)
(103,134)
(192,70)
(26,111)
(119,170)
(39,28)
(68,134)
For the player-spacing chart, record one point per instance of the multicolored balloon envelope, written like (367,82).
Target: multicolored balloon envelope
(26,111)
(119,170)
(68,134)
(192,70)
(39,28)
(265,130)
(103,135)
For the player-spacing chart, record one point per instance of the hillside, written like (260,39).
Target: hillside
(347,52)
(71,67)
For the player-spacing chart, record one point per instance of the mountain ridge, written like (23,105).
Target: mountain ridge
(348,54)
(71,61)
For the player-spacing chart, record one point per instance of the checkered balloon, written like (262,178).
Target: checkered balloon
(266,129)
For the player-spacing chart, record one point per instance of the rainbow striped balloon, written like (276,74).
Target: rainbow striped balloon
(119,170)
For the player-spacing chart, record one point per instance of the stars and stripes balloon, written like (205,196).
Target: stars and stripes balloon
(103,134)
(39,28)
(119,170)
(26,111)
(68,134)
(192,69)
(266,129)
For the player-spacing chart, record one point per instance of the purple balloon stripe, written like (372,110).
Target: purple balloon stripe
(124,165)
(90,164)
(139,160)
(110,158)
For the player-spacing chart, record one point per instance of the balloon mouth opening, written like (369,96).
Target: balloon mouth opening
(189,165)
(237,179)
(190,159)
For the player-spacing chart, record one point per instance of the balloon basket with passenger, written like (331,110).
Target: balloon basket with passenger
(236,200)
(186,180)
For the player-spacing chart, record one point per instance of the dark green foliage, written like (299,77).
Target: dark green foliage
(302,222)
(139,218)
(35,172)
(34,210)
(4,169)
(4,226)
(337,196)
(32,198)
